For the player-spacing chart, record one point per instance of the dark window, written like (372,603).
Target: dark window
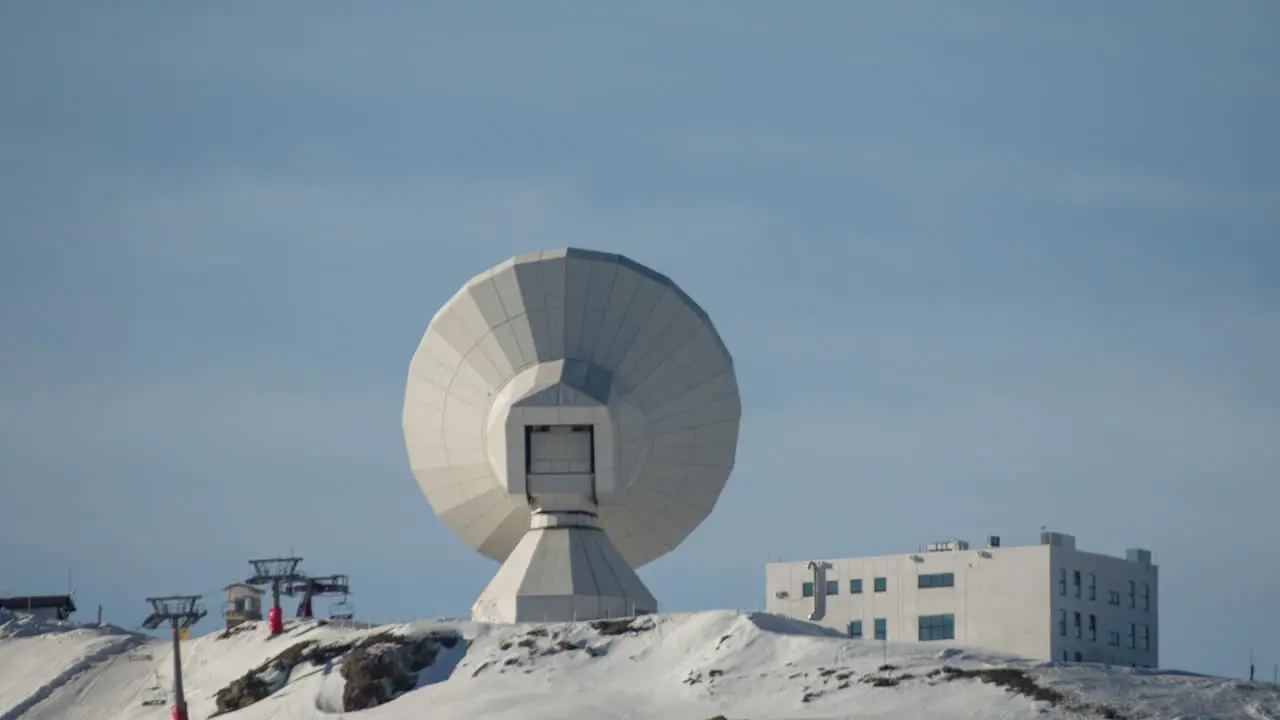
(855,628)
(1146,596)
(1066,656)
(1093,628)
(1113,638)
(239,604)
(1132,595)
(1133,636)
(881,584)
(882,630)
(937,580)
(1146,637)
(1093,586)
(937,627)
(1079,629)
(833,587)
(1075,581)
(1078,657)
(807,589)
(1062,623)
(855,587)
(1113,598)
(1062,581)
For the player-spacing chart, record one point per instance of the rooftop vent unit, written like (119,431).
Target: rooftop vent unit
(1138,555)
(1057,539)
(993,541)
(947,546)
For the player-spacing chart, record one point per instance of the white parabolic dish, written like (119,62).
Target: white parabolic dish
(571,389)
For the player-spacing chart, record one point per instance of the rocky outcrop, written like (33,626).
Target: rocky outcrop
(377,668)
(384,666)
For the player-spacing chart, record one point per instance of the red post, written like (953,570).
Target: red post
(275,619)
(179,713)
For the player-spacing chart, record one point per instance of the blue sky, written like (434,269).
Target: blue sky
(983,267)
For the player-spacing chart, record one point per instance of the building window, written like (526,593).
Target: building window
(1113,598)
(807,589)
(1113,638)
(833,587)
(937,580)
(1062,623)
(1093,586)
(855,587)
(239,605)
(1062,581)
(1133,636)
(1146,637)
(855,628)
(1132,595)
(1093,628)
(1075,581)
(1079,629)
(1066,656)
(937,627)
(882,630)
(1078,657)
(881,584)
(1146,596)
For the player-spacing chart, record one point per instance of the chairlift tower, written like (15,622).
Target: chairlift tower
(313,587)
(181,612)
(280,574)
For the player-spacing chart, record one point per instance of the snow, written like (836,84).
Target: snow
(695,666)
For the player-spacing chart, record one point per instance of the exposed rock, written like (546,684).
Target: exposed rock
(236,630)
(382,667)
(377,669)
(269,677)
(1019,682)
(620,626)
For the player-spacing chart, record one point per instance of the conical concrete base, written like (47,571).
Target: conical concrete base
(562,574)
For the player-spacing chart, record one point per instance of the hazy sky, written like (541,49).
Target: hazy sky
(983,266)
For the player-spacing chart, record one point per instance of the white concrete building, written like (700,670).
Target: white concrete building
(1043,602)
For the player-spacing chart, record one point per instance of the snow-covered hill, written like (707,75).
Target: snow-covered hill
(695,666)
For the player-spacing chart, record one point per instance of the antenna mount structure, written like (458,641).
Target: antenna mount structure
(181,612)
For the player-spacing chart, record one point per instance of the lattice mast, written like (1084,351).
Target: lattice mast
(181,612)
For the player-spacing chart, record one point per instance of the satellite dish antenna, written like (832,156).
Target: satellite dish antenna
(573,415)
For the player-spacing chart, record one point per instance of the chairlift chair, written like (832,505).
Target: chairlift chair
(154,695)
(342,610)
(140,654)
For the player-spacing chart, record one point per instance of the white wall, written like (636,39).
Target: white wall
(1001,598)
(1113,574)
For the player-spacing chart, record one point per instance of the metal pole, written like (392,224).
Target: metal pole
(179,700)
